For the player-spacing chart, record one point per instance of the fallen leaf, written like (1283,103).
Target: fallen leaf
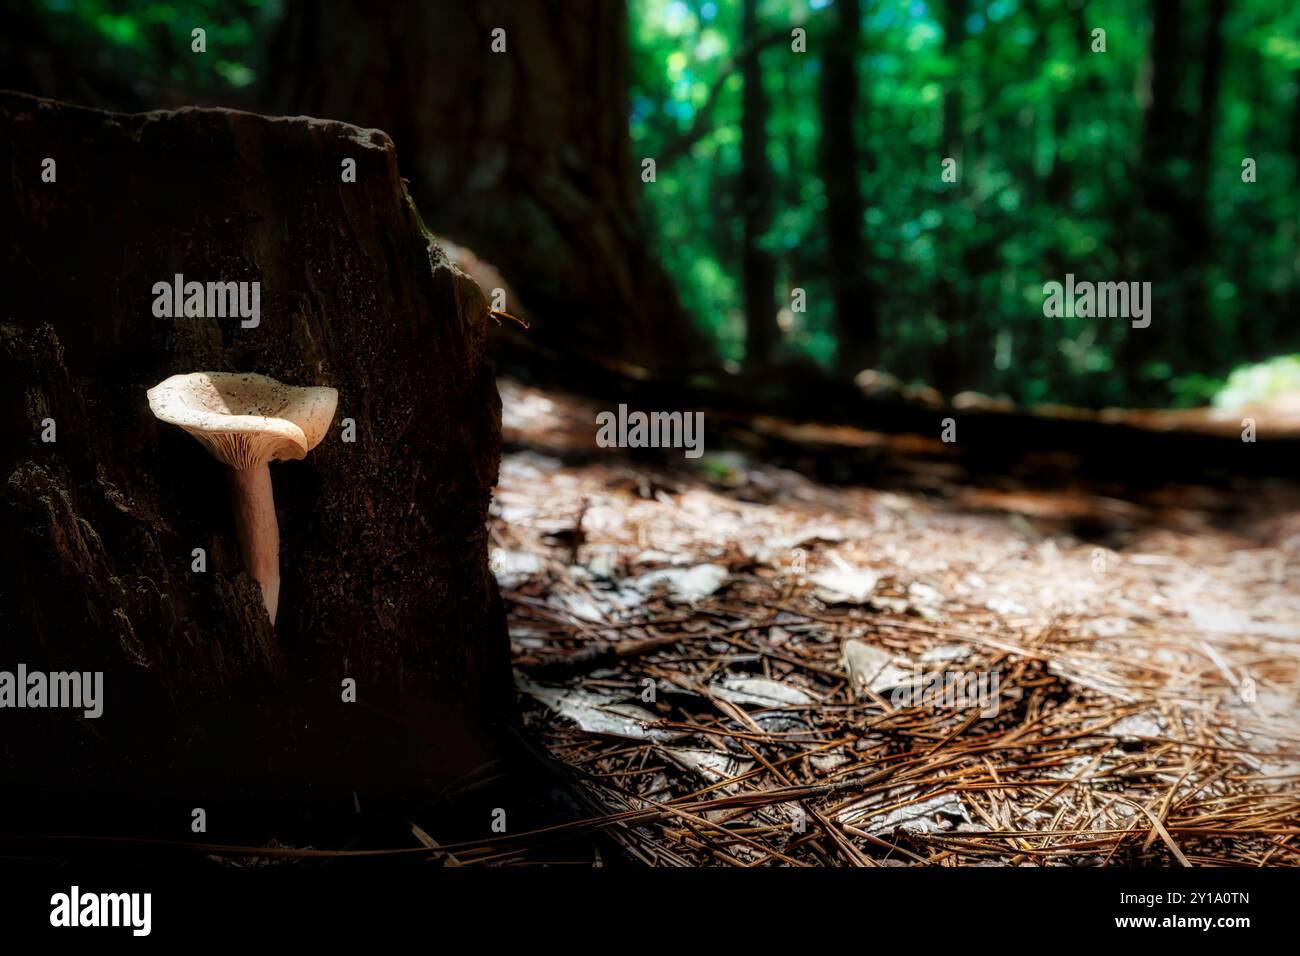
(712,765)
(512,568)
(925,601)
(581,605)
(844,586)
(943,653)
(597,713)
(935,815)
(870,667)
(685,585)
(761,691)
(1134,727)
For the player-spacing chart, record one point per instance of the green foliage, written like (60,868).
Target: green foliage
(1260,382)
(151,41)
(1051,181)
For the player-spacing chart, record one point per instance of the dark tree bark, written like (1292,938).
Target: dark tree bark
(1197,331)
(1295,230)
(841,107)
(1163,120)
(950,305)
(383,540)
(523,156)
(1206,118)
(1173,135)
(1165,206)
(758,267)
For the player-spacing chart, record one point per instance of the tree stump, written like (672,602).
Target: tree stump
(117,545)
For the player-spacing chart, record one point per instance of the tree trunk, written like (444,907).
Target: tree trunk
(947,375)
(855,307)
(1180,333)
(523,155)
(1295,205)
(1204,344)
(383,542)
(1164,242)
(758,268)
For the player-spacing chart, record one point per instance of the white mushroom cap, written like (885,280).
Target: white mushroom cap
(245,419)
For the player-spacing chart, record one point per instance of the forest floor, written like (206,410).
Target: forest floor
(739,664)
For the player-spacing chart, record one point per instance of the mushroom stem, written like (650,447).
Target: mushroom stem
(257,530)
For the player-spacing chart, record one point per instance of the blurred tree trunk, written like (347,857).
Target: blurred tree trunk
(758,267)
(1172,137)
(1205,345)
(949,299)
(523,155)
(855,306)
(1161,240)
(1295,192)
(1059,183)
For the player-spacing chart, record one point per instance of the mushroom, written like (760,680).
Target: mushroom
(246,421)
